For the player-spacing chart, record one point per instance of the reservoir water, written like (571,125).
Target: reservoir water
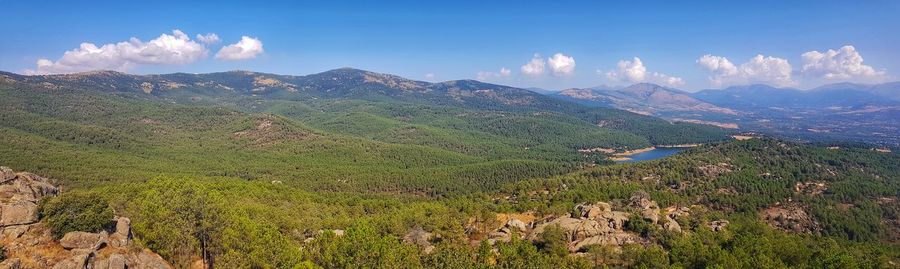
(652,155)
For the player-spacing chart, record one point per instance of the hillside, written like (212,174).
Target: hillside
(790,204)
(350,168)
(644,98)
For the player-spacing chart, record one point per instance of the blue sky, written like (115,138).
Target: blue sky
(458,39)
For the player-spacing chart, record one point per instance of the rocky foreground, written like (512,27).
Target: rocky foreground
(28,243)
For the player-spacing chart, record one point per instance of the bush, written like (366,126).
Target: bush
(638,224)
(75,212)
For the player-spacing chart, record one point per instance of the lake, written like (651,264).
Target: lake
(652,155)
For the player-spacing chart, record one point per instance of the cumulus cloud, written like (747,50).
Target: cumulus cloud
(535,67)
(208,39)
(561,65)
(247,48)
(844,64)
(759,69)
(484,75)
(429,76)
(176,48)
(634,71)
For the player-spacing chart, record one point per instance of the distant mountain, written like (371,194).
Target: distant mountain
(542,90)
(889,90)
(250,90)
(643,98)
(842,95)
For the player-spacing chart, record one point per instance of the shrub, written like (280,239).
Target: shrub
(71,212)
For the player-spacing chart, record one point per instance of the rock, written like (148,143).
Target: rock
(616,219)
(718,225)
(642,200)
(591,211)
(418,236)
(575,229)
(122,236)
(14,232)
(123,226)
(114,261)
(146,260)
(18,212)
(517,224)
(6,174)
(13,263)
(31,187)
(19,194)
(77,261)
(79,240)
(617,238)
(714,170)
(651,215)
(672,225)
(792,217)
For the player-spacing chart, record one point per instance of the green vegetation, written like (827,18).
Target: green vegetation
(75,211)
(263,181)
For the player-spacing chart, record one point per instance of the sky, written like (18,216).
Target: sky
(549,44)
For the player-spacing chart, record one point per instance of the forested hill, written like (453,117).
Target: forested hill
(260,92)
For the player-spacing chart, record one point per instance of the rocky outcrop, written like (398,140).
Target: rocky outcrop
(718,225)
(419,237)
(712,171)
(82,240)
(19,195)
(791,217)
(593,224)
(29,244)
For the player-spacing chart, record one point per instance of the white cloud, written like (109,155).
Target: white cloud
(208,39)
(177,48)
(760,69)
(634,71)
(247,48)
(844,64)
(535,67)
(505,72)
(484,75)
(429,76)
(561,65)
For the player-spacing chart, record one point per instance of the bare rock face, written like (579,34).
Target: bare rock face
(19,195)
(617,238)
(11,264)
(18,213)
(122,236)
(517,224)
(6,174)
(79,240)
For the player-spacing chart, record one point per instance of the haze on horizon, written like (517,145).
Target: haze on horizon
(801,44)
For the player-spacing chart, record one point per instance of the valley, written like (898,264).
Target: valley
(350,168)
(831,113)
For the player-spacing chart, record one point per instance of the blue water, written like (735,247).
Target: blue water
(653,154)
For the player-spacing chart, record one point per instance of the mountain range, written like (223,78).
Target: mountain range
(841,111)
